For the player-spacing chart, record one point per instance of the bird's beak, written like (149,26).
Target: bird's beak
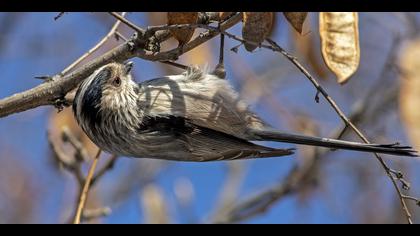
(128,66)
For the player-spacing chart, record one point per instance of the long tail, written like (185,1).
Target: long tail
(392,149)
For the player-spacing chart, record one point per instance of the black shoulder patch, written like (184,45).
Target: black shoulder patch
(166,124)
(176,125)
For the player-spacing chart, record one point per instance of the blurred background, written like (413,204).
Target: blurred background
(312,186)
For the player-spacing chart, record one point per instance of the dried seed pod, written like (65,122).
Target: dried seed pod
(296,19)
(256,27)
(410,91)
(182,35)
(340,43)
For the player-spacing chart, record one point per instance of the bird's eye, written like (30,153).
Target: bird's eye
(116,82)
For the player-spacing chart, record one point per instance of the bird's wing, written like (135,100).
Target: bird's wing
(209,102)
(204,144)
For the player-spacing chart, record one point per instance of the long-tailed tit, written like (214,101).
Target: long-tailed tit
(193,116)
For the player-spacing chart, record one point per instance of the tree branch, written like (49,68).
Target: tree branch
(128,23)
(348,122)
(261,202)
(53,91)
(394,176)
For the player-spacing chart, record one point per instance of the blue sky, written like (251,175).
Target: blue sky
(38,45)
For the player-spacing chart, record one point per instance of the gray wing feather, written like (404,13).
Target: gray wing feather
(204,144)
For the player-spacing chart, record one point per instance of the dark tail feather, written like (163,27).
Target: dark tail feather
(392,149)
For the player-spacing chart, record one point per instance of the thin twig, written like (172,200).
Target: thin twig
(127,22)
(172,63)
(346,120)
(119,36)
(261,202)
(416,200)
(60,14)
(106,167)
(275,47)
(83,196)
(94,48)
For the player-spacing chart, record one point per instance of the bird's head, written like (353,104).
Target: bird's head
(110,90)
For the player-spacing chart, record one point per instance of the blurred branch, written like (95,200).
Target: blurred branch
(263,201)
(230,189)
(320,90)
(393,175)
(154,204)
(136,177)
(106,167)
(53,91)
(73,164)
(390,173)
(81,153)
(89,214)
(185,193)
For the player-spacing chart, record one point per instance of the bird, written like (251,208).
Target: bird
(193,116)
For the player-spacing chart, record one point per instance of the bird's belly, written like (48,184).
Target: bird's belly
(145,146)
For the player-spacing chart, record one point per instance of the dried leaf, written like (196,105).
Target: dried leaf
(410,91)
(182,35)
(224,15)
(296,19)
(256,27)
(308,49)
(199,56)
(340,43)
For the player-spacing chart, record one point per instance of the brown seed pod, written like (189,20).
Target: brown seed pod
(224,15)
(182,35)
(340,43)
(296,19)
(256,27)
